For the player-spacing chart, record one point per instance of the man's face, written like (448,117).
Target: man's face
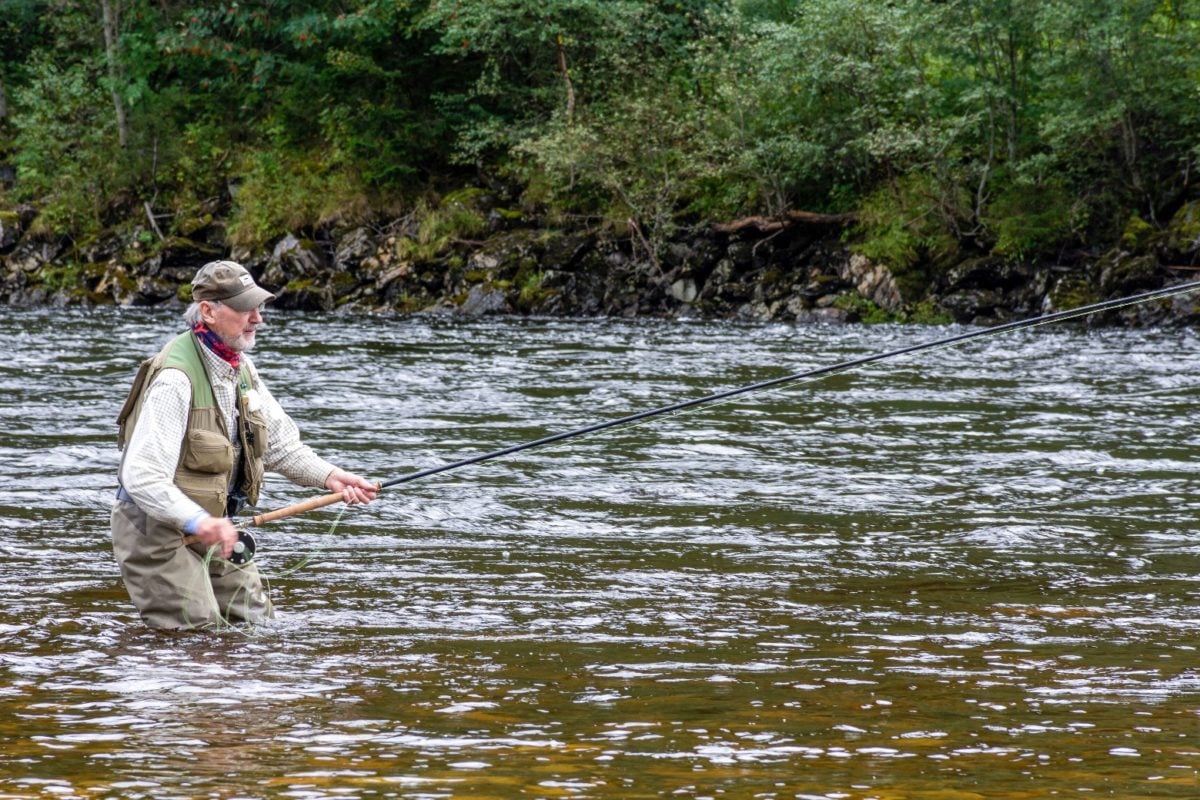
(236,328)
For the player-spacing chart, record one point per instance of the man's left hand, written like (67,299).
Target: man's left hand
(354,489)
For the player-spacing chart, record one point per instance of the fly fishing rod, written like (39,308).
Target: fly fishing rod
(1074,313)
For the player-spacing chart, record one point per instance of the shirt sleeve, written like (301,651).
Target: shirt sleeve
(286,454)
(152,455)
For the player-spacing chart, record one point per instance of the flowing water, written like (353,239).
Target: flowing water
(972,572)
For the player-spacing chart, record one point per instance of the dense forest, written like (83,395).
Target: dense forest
(923,131)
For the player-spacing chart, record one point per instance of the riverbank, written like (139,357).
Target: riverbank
(804,269)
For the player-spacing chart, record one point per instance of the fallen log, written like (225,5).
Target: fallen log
(788,219)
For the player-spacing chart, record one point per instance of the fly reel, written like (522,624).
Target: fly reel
(243,548)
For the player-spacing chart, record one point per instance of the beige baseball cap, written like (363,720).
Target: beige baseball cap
(229,282)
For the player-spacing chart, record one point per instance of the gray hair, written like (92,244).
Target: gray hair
(192,315)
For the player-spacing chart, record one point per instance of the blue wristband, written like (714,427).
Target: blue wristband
(190,526)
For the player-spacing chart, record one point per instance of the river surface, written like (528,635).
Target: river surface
(970,572)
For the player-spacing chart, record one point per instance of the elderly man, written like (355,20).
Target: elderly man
(198,430)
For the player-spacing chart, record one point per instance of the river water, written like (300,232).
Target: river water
(971,572)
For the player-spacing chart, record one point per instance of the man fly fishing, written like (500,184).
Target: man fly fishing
(197,432)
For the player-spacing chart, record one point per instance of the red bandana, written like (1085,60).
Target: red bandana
(214,343)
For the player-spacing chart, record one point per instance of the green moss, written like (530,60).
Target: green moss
(863,309)
(1032,218)
(343,283)
(1137,234)
(1124,273)
(1072,293)
(902,224)
(533,294)
(528,272)
(927,312)
(1183,231)
(468,197)
(184,293)
(186,226)
(56,277)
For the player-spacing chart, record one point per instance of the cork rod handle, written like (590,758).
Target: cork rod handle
(300,508)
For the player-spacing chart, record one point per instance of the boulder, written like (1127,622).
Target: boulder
(482,301)
(872,281)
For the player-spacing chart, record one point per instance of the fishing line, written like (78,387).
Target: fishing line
(771,384)
(312,556)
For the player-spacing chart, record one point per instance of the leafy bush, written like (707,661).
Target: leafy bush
(907,222)
(288,192)
(1031,218)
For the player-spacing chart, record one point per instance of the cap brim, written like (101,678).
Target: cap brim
(248,300)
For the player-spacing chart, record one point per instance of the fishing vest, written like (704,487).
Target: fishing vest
(206,469)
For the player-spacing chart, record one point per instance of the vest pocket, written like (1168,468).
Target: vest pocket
(256,432)
(206,451)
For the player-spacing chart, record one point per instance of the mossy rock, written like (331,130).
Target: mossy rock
(469,197)
(1122,274)
(926,312)
(187,226)
(1183,231)
(1138,235)
(305,294)
(1071,293)
(60,277)
(10,228)
(532,299)
(342,283)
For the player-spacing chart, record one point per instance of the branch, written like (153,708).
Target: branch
(153,222)
(787,220)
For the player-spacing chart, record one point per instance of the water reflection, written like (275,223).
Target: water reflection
(971,574)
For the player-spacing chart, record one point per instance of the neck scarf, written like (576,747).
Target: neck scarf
(214,343)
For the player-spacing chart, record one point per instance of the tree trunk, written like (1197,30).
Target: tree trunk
(566,76)
(111,27)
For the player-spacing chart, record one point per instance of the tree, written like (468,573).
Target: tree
(111,25)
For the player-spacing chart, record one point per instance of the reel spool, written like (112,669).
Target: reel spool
(243,548)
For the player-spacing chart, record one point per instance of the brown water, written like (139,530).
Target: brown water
(968,573)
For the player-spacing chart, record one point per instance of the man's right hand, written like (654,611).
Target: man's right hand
(217,531)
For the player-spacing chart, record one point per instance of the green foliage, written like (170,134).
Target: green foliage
(925,312)
(534,63)
(1010,127)
(907,222)
(863,310)
(65,153)
(635,160)
(1031,218)
(438,226)
(280,195)
(60,277)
